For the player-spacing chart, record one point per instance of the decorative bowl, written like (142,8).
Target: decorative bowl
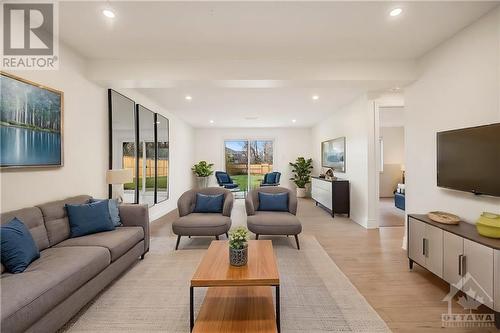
(488,225)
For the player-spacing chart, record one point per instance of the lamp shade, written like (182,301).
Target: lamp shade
(119,176)
(403,167)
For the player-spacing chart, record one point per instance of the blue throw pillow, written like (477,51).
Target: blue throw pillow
(89,218)
(274,202)
(209,203)
(114,212)
(18,246)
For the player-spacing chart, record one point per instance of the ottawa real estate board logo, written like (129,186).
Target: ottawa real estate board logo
(29,35)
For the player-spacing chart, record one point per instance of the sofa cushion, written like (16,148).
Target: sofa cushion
(274,223)
(56,218)
(201,224)
(32,217)
(46,282)
(118,241)
(206,203)
(18,249)
(89,218)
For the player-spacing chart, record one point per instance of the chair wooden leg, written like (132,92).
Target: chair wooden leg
(217,237)
(227,236)
(297,241)
(178,241)
(256,236)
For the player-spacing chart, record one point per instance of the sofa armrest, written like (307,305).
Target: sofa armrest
(228,204)
(249,206)
(136,216)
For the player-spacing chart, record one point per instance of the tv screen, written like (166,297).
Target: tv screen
(469,159)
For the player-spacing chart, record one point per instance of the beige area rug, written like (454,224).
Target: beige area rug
(154,294)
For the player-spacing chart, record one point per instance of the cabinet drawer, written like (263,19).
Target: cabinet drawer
(416,237)
(478,282)
(322,196)
(327,186)
(453,249)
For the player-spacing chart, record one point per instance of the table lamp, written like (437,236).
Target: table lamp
(118,177)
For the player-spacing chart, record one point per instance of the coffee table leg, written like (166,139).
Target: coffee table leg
(278,321)
(191,308)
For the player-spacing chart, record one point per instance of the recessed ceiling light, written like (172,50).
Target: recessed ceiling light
(294,120)
(211,121)
(188,97)
(396,12)
(315,97)
(108,13)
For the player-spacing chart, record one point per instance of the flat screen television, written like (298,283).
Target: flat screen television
(468,159)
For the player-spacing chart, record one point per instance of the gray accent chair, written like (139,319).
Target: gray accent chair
(273,223)
(202,224)
(70,271)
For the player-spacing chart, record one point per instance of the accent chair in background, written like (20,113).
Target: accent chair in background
(271,211)
(271,179)
(224,180)
(203,212)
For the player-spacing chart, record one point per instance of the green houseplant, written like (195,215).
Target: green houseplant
(238,246)
(202,170)
(301,169)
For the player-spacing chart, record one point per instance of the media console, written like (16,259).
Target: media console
(458,255)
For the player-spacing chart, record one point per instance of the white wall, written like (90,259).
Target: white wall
(353,122)
(181,153)
(289,143)
(459,86)
(85,141)
(86,144)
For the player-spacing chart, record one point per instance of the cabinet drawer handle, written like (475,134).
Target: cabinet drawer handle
(460,264)
(463,264)
(423,247)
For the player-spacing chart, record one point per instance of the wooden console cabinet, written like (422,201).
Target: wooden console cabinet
(331,195)
(458,255)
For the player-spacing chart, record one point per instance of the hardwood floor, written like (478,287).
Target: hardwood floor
(408,301)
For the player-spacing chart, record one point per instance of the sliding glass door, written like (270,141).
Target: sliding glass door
(247,161)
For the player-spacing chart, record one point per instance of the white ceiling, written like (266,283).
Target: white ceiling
(261,31)
(265,30)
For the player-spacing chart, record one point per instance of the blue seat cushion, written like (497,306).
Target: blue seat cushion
(18,246)
(224,178)
(209,203)
(270,178)
(273,202)
(89,218)
(114,212)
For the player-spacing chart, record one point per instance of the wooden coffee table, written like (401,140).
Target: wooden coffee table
(239,299)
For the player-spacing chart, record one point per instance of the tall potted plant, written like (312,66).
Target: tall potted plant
(301,174)
(202,170)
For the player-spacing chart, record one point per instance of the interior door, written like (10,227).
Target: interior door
(479,265)
(416,241)
(453,249)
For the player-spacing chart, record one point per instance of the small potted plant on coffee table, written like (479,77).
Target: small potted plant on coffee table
(238,246)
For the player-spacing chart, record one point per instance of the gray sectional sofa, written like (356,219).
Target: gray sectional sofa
(70,271)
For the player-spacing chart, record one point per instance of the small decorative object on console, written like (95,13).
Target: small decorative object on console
(443,217)
(488,225)
(329,174)
(238,246)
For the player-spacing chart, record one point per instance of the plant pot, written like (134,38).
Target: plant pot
(201,182)
(301,192)
(238,257)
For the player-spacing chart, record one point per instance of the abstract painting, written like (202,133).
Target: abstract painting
(333,154)
(31,119)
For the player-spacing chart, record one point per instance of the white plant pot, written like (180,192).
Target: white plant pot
(201,182)
(301,192)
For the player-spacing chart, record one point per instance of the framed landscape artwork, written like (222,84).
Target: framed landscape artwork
(31,124)
(333,154)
